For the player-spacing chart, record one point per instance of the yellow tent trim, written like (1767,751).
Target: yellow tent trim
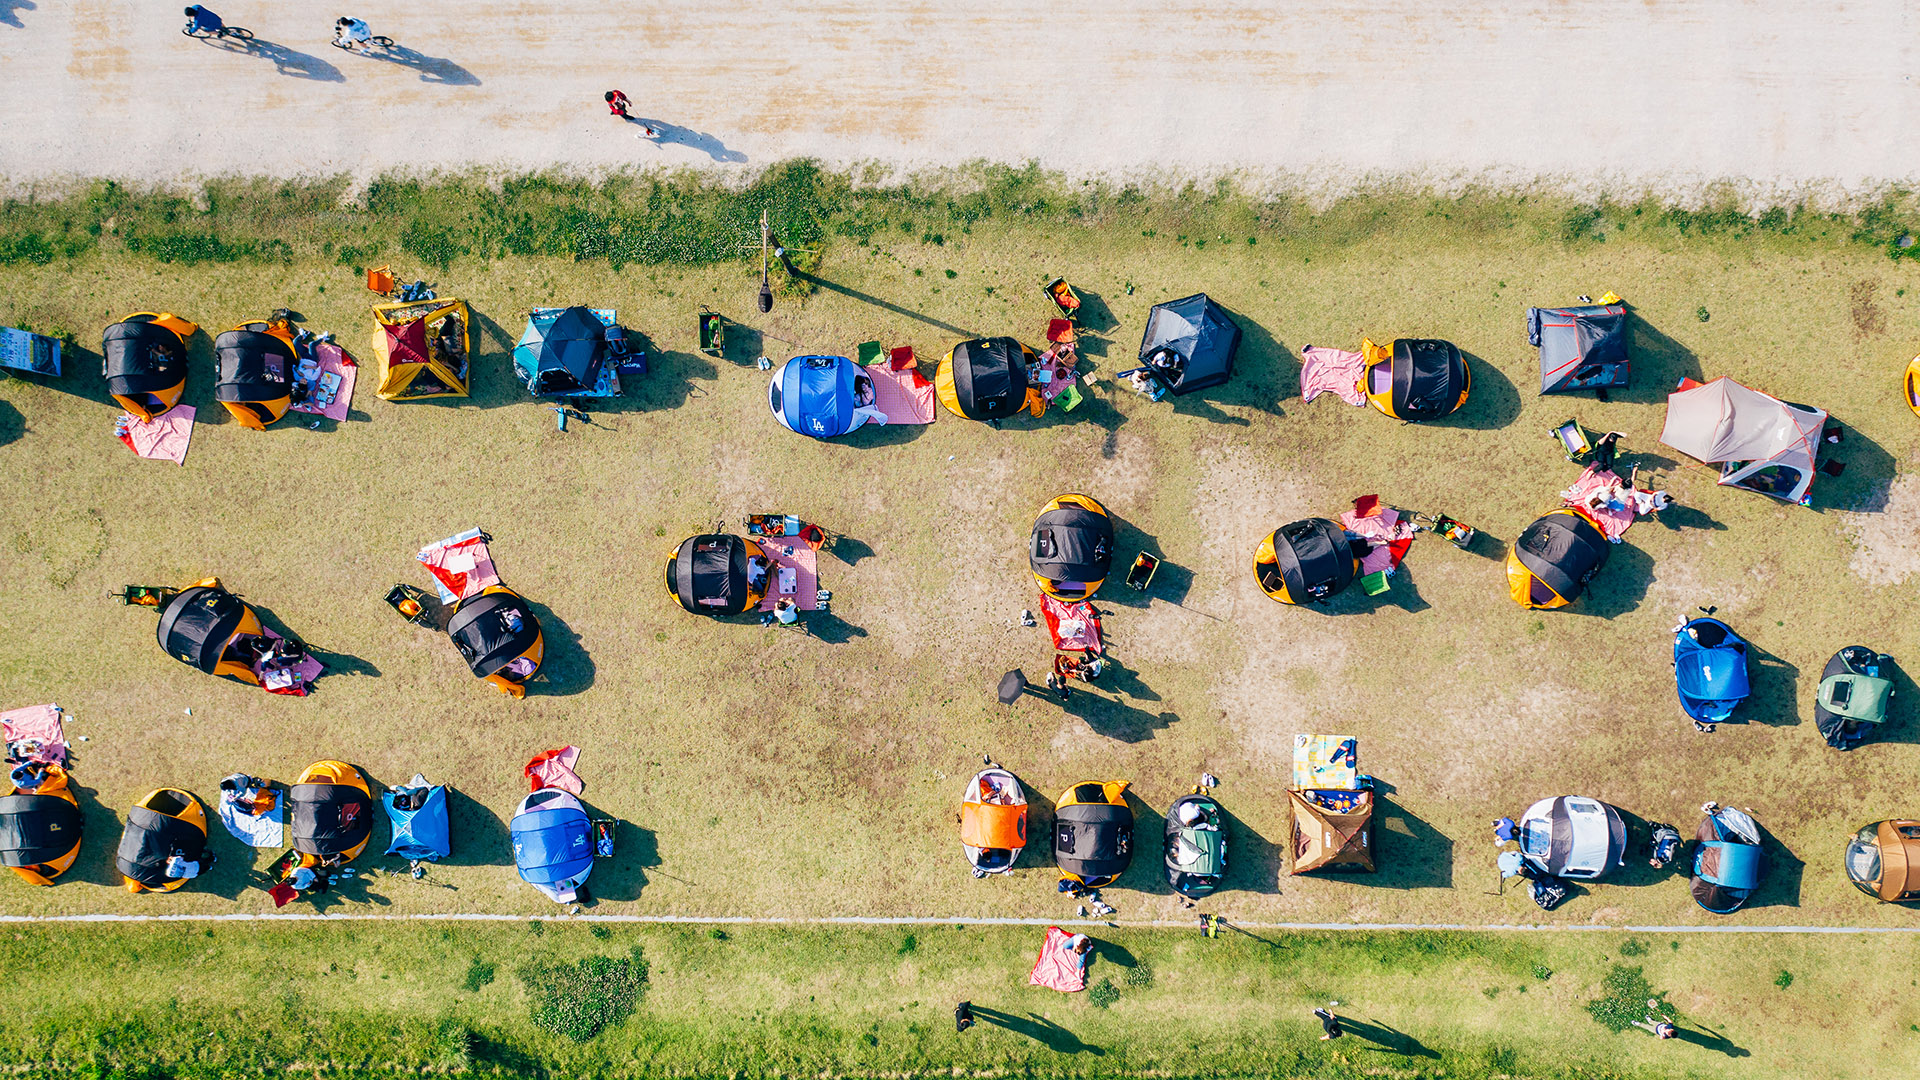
(396,379)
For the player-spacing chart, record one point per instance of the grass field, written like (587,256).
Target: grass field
(765,773)
(363,1000)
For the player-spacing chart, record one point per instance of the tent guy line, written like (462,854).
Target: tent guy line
(954,920)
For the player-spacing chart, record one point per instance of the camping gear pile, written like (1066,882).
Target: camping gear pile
(1332,805)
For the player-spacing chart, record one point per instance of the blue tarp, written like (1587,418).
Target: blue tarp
(422,833)
(563,350)
(1710,680)
(1739,865)
(814,395)
(552,844)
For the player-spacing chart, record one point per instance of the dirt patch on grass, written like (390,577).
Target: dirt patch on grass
(1883,549)
(1863,306)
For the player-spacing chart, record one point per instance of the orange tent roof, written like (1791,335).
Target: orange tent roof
(993,825)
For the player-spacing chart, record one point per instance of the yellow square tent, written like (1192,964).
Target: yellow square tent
(423,348)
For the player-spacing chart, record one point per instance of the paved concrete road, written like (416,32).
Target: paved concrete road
(1613,92)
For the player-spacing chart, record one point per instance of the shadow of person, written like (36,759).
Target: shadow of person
(1709,1039)
(1039,1029)
(831,628)
(1677,517)
(9,10)
(1386,1039)
(567,667)
(1493,403)
(1111,717)
(847,549)
(290,62)
(674,134)
(432,69)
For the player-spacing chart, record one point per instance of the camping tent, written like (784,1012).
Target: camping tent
(993,821)
(40,831)
(330,809)
(1572,836)
(707,574)
(493,629)
(1760,443)
(1727,860)
(822,396)
(1093,833)
(1308,561)
(1189,344)
(1554,558)
(1852,699)
(1709,670)
(1195,846)
(199,624)
(1883,860)
(1415,379)
(418,815)
(986,379)
(423,348)
(165,823)
(552,843)
(1071,548)
(1332,830)
(1581,348)
(144,357)
(254,365)
(561,351)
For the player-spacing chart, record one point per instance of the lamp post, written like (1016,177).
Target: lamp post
(766,290)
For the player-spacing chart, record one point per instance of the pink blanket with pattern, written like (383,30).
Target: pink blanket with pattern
(904,396)
(461,565)
(164,438)
(37,728)
(1058,967)
(1605,498)
(333,361)
(795,572)
(1332,371)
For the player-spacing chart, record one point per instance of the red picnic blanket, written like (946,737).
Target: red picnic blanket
(1073,626)
(1058,967)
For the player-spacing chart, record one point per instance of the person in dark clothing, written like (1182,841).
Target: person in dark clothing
(1604,450)
(204,21)
(1329,1024)
(963,1016)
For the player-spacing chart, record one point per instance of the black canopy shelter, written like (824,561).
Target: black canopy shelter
(36,829)
(1189,344)
(990,377)
(1563,551)
(1315,559)
(570,353)
(1093,840)
(710,575)
(252,366)
(150,839)
(1072,543)
(196,626)
(141,357)
(1428,377)
(484,629)
(329,819)
(1581,348)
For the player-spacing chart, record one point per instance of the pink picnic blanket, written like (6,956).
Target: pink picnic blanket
(35,734)
(794,564)
(1604,497)
(1058,967)
(1384,528)
(333,361)
(1073,626)
(461,565)
(164,438)
(554,768)
(1059,363)
(285,680)
(904,396)
(1332,371)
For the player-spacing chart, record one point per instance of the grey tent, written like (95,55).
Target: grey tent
(1189,344)
(1581,348)
(1572,836)
(1760,443)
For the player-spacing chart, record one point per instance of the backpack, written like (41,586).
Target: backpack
(1550,892)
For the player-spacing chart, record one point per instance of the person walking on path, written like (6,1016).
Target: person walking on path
(618,103)
(1329,1023)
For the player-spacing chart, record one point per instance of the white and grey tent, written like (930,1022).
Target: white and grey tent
(1581,348)
(1572,836)
(1760,442)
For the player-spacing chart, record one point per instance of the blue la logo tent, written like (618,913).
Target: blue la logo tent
(561,351)
(552,843)
(820,396)
(1709,670)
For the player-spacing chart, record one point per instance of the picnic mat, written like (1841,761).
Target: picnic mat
(554,768)
(796,565)
(262,831)
(338,371)
(1332,371)
(1604,497)
(1058,967)
(1391,535)
(1073,626)
(461,565)
(164,438)
(1327,762)
(35,734)
(291,680)
(904,396)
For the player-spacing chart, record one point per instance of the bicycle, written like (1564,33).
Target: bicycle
(237,33)
(378,39)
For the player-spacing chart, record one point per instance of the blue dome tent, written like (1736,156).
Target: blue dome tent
(418,814)
(1728,861)
(562,351)
(552,843)
(1189,344)
(1709,670)
(822,396)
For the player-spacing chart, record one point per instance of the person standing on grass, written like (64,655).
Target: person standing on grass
(1660,1027)
(1329,1023)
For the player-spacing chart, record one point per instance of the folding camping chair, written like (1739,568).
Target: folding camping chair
(1140,574)
(1574,441)
(713,332)
(1064,298)
(380,280)
(146,595)
(411,603)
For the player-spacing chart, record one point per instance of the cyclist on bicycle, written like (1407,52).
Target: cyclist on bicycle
(202,21)
(350,33)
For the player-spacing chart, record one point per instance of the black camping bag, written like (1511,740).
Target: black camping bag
(1550,892)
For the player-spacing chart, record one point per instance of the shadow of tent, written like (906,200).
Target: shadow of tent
(479,837)
(1658,363)
(1780,887)
(1619,586)
(871,436)
(1170,582)
(1867,481)
(491,379)
(1265,372)
(1637,872)
(1038,853)
(1039,1029)
(1401,593)
(100,827)
(567,667)
(1775,700)
(1147,873)
(1493,402)
(1254,863)
(635,852)
(12,423)
(668,383)
(1903,711)
(1410,853)
(1386,1039)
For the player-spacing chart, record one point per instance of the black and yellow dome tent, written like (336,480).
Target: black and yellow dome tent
(1415,379)
(254,363)
(144,359)
(986,379)
(1071,551)
(165,823)
(40,829)
(707,574)
(1306,562)
(200,625)
(423,348)
(499,637)
(1554,558)
(1093,833)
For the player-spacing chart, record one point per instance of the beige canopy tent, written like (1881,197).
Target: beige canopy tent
(1760,443)
(1883,860)
(1332,830)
